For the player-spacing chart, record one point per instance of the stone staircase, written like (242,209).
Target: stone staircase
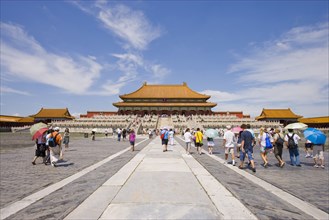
(165,122)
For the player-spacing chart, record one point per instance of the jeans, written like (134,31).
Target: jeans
(249,152)
(293,152)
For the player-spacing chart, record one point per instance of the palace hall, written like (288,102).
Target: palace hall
(164,100)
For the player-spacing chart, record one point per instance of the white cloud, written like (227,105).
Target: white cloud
(290,72)
(136,32)
(131,26)
(5,89)
(159,71)
(24,58)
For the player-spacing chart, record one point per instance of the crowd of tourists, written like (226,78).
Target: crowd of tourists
(49,146)
(241,145)
(236,144)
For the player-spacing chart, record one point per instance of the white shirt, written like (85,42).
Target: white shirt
(230,138)
(171,134)
(263,139)
(187,137)
(296,137)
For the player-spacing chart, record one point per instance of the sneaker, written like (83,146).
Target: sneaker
(316,166)
(298,165)
(233,163)
(282,165)
(322,166)
(53,164)
(253,170)
(33,163)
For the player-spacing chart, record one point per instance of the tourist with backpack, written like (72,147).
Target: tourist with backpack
(278,146)
(55,146)
(265,142)
(164,135)
(291,140)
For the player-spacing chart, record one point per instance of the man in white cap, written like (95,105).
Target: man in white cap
(229,139)
(56,149)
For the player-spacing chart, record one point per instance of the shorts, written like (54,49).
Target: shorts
(132,143)
(308,145)
(211,144)
(188,144)
(229,150)
(248,152)
(318,152)
(164,141)
(265,150)
(199,144)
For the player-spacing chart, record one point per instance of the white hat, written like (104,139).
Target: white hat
(228,127)
(56,129)
(164,128)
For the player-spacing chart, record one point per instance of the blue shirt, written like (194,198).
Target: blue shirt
(247,137)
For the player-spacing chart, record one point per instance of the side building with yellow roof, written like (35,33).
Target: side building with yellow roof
(284,116)
(49,115)
(316,122)
(164,100)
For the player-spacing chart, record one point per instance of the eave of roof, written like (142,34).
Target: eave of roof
(164,91)
(163,104)
(277,114)
(53,113)
(315,120)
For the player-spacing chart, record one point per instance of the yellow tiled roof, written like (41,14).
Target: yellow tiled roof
(278,113)
(26,120)
(164,91)
(7,118)
(163,104)
(315,120)
(53,113)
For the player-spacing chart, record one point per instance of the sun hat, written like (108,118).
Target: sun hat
(228,127)
(56,129)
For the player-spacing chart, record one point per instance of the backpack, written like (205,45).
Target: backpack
(52,141)
(162,135)
(291,142)
(268,143)
(279,141)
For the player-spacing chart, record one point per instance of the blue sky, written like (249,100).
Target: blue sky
(82,55)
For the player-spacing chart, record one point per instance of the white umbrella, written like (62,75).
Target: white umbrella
(297,125)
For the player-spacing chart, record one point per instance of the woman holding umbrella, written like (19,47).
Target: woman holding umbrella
(41,147)
(318,138)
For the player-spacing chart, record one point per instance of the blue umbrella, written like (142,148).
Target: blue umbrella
(211,133)
(315,136)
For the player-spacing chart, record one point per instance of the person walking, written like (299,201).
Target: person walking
(57,148)
(229,140)
(238,144)
(132,138)
(247,140)
(291,139)
(66,138)
(40,151)
(265,145)
(124,134)
(278,146)
(164,135)
(318,157)
(308,149)
(119,131)
(188,140)
(199,140)
(171,137)
(211,144)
